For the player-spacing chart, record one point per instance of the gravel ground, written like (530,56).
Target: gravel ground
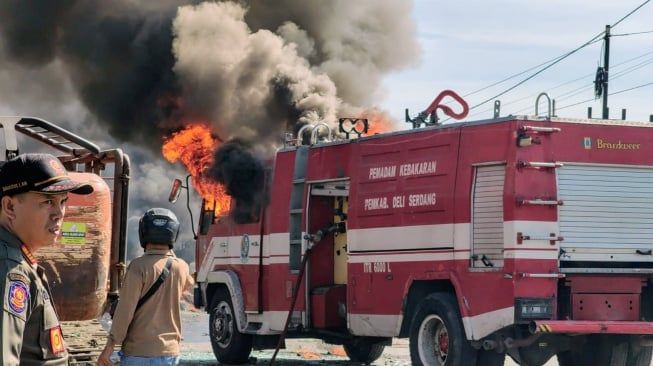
(196,349)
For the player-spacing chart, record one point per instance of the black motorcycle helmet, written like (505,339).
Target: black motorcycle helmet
(158,226)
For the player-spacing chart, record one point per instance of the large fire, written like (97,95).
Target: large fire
(378,122)
(194,147)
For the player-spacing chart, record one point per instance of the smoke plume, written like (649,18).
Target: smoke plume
(243,174)
(250,69)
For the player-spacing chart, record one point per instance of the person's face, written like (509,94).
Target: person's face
(38,217)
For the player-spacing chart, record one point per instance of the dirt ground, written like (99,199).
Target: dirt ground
(196,349)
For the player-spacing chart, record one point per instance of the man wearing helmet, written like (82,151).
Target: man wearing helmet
(147,322)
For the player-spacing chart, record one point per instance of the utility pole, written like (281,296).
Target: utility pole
(606,65)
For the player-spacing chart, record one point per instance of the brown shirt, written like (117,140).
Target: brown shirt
(155,329)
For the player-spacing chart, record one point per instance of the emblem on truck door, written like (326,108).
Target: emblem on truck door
(244,248)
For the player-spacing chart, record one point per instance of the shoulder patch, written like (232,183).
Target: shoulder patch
(56,341)
(17,298)
(18,277)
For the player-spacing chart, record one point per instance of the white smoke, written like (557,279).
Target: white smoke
(237,76)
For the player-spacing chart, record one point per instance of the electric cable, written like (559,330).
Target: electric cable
(548,64)
(579,90)
(609,94)
(633,88)
(629,14)
(591,41)
(630,34)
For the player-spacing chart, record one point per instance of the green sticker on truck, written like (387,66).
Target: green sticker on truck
(73,233)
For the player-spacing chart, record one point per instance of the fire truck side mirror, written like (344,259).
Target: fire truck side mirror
(174,192)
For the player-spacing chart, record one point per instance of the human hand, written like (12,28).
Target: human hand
(104,358)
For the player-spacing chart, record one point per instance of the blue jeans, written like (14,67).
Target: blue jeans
(148,361)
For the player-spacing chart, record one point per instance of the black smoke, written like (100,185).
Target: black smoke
(250,69)
(117,54)
(244,176)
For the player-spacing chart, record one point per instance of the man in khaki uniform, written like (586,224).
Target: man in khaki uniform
(150,332)
(33,192)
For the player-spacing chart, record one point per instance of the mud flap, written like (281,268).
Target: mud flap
(197,298)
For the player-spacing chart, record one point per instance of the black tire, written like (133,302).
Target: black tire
(570,358)
(437,337)
(490,358)
(361,349)
(597,351)
(229,345)
(639,356)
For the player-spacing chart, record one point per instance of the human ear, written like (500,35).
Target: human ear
(8,207)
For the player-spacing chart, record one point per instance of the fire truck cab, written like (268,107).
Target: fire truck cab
(525,236)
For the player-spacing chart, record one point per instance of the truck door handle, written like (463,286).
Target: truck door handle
(224,245)
(644,252)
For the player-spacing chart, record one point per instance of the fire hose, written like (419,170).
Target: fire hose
(314,239)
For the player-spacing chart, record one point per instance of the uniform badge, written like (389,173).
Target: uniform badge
(56,340)
(18,297)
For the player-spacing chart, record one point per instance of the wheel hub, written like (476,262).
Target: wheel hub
(443,342)
(433,341)
(223,324)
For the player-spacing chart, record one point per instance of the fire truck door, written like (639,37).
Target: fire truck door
(245,248)
(340,244)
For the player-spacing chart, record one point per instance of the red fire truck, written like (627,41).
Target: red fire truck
(526,236)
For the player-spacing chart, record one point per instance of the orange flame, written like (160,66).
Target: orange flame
(378,121)
(194,147)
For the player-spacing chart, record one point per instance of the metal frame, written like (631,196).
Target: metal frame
(81,151)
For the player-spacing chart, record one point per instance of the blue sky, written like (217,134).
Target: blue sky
(469,44)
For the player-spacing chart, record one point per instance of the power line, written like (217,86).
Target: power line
(633,88)
(629,14)
(508,78)
(575,104)
(572,93)
(630,34)
(585,86)
(553,88)
(614,93)
(558,59)
(582,89)
(548,63)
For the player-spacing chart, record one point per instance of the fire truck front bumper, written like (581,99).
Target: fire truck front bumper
(590,327)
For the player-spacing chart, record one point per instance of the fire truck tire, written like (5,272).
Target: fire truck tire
(437,336)
(230,346)
(597,351)
(363,350)
(490,358)
(640,356)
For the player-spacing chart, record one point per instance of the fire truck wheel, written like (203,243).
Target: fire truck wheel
(229,345)
(640,356)
(361,349)
(490,358)
(437,336)
(597,351)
